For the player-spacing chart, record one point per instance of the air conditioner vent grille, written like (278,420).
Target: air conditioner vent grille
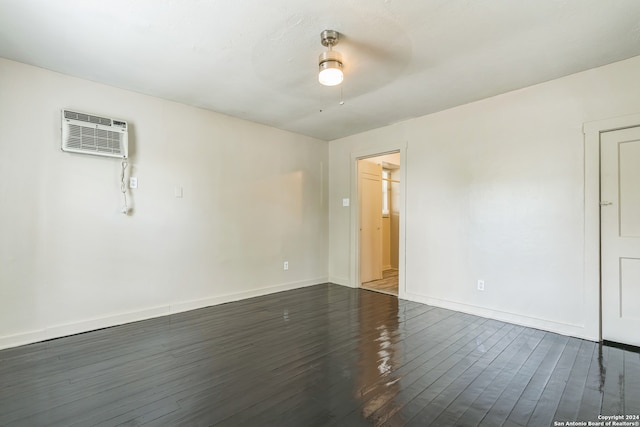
(96,140)
(87,118)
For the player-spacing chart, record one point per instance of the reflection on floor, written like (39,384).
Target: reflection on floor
(388,284)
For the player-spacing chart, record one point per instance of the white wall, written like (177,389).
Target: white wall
(495,191)
(254,196)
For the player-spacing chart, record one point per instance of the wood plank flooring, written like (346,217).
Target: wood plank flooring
(388,284)
(325,355)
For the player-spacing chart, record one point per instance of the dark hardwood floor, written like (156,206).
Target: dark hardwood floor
(322,355)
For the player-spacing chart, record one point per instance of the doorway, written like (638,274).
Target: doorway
(379,222)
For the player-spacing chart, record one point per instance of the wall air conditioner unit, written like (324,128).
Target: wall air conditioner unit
(89,134)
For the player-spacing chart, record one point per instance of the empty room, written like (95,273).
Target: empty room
(338,213)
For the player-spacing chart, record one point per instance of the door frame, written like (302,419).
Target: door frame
(592,251)
(374,151)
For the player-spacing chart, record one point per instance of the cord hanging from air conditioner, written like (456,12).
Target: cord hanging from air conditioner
(123,187)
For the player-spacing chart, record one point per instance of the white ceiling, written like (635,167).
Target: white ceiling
(257,60)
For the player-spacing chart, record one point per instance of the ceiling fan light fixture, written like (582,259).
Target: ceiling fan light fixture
(330,62)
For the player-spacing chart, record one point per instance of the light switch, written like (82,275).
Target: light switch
(345,202)
(177,191)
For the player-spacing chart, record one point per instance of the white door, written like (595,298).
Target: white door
(370,208)
(620,235)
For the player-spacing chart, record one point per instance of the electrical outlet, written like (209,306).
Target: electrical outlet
(133,182)
(285,266)
(481,285)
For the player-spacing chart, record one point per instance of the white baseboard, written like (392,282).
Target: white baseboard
(57,331)
(574,330)
(24,338)
(221,299)
(340,281)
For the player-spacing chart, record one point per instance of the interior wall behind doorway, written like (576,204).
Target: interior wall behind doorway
(394,217)
(390,164)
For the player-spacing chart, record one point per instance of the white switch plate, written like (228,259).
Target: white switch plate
(177,191)
(285,266)
(133,182)
(345,202)
(481,285)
